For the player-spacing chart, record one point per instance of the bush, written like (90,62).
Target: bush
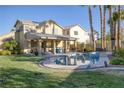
(119,53)
(117,61)
(118,57)
(88,48)
(5,52)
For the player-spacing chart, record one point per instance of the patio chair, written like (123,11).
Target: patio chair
(94,57)
(57,61)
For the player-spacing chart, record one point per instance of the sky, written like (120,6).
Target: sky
(63,15)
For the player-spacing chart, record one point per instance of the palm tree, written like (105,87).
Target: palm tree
(114,18)
(119,31)
(104,27)
(101,24)
(91,27)
(118,16)
(111,27)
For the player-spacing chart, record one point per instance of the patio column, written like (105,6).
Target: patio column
(68,45)
(54,46)
(75,44)
(29,45)
(65,46)
(39,46)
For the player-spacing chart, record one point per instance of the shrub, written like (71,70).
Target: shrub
(118,57)
(89,48)
(117,61)
(119,53)
(5,52)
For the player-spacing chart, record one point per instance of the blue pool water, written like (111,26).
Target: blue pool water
(92,57)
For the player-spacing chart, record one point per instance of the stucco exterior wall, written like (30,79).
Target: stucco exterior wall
(40,29)
(21,29)
(82,35)
(58,30)
(49,28)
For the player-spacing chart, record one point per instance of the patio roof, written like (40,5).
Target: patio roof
(32,35)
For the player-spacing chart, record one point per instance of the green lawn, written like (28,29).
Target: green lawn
(22,71)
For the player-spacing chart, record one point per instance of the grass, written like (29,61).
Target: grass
(23,71)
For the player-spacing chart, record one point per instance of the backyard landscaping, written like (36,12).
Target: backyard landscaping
(118,57)
(24,71)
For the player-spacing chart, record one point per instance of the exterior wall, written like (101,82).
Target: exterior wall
(58,30)
(26,45)
(82,35)
(49,28)
(20,36)
(40,29)
(66,32)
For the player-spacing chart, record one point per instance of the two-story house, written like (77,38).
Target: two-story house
(48,36)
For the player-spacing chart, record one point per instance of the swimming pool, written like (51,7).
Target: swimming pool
(77,60)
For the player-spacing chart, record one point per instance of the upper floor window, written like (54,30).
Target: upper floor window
(67,32)
(19,28)
(75,32)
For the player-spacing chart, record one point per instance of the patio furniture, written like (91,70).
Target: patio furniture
(94,57)
(57,61)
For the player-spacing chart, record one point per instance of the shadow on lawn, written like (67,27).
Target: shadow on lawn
(91,79)
(26,79)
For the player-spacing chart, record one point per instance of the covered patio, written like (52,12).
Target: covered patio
(49,43)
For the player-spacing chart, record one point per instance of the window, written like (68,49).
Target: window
(75,32)
(67,32)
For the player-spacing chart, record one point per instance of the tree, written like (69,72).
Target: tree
(12,46)
(111,27)
(91,28)
(101,24)
(119,31)
(104,27)
(118,16)
(115,27)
